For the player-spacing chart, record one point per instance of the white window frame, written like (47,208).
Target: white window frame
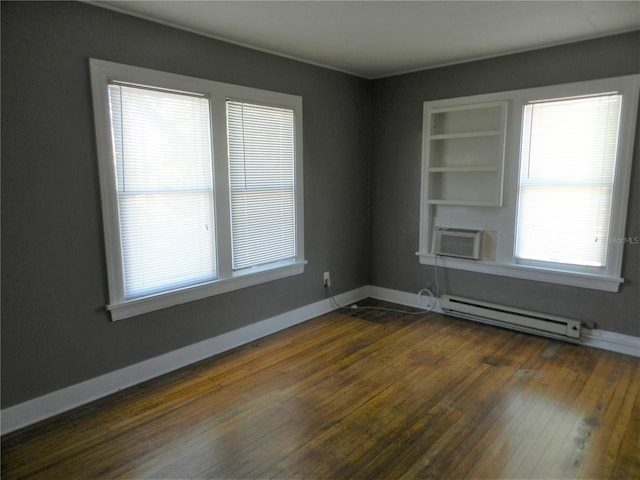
(501,221)
(102,72)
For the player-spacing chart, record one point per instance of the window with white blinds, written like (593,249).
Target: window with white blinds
(162,149)
(201,194)
(261,181)
(567,166)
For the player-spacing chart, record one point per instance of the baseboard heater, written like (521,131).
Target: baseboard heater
(516,319)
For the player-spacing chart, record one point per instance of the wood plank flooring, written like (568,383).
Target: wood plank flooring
(365,394)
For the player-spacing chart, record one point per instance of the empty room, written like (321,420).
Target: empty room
(401,240)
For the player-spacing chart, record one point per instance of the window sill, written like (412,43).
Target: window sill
(138,306)
(574,279)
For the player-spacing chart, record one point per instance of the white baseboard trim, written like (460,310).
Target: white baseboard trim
(615,342)
(402,298)
(46,406)
(602,339)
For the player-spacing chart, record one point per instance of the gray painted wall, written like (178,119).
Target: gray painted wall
(395,193)
(361,189)
(55,332)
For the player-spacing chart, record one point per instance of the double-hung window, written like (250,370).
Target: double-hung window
(562,190)
(164,188)
(201,186)
(567,165)
(261,182)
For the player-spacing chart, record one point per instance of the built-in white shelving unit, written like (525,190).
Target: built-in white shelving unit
(464,154)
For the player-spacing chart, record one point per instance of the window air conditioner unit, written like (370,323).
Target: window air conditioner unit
(457,242)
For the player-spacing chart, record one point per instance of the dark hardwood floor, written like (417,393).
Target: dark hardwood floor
(362,394)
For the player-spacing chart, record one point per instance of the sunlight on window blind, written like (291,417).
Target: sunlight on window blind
(261,172)
(162,150)
(567,164)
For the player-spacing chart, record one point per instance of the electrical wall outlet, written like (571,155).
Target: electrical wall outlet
(326,279)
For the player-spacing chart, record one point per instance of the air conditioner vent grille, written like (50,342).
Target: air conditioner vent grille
(457,242)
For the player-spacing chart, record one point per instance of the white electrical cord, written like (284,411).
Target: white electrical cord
(437,282)
(432,303)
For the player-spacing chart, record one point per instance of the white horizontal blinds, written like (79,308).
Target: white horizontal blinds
(262,187)
(566,179)
(162,149)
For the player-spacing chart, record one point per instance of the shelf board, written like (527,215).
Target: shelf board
(453,136)
(469,203)
(489,169)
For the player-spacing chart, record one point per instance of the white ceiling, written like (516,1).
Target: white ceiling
(374,39)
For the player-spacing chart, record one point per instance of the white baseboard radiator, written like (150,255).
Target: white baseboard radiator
(516,319)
